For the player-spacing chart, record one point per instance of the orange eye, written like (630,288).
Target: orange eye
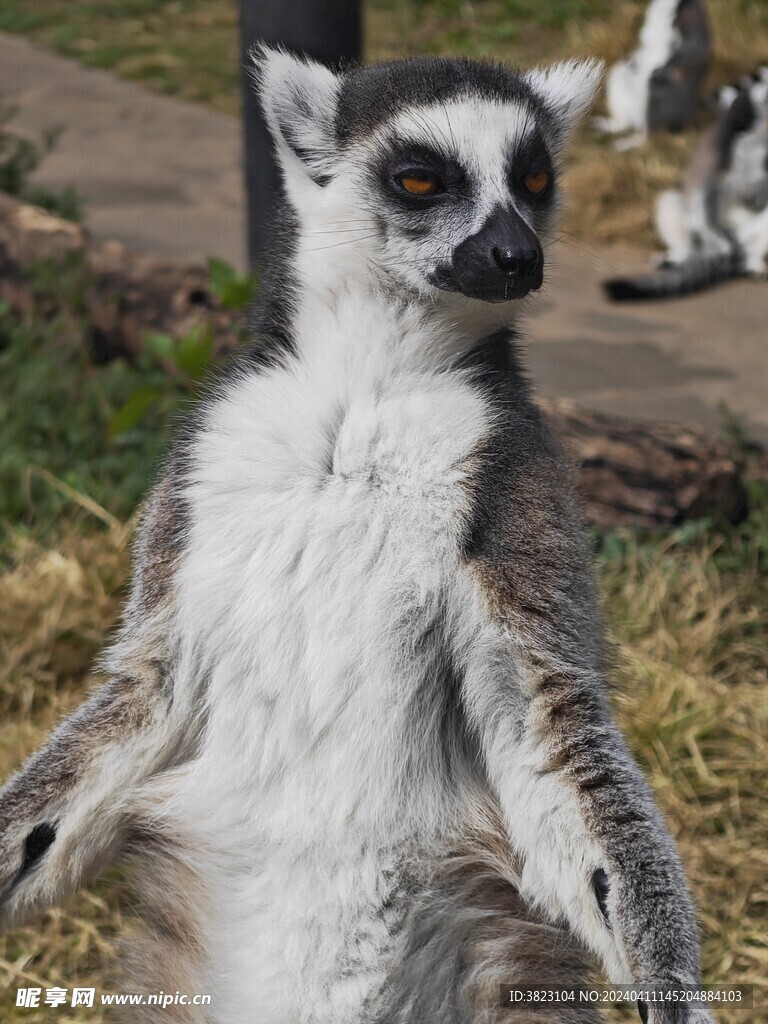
(536,182)
(420,184)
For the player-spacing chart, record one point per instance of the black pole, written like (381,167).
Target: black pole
(326,30)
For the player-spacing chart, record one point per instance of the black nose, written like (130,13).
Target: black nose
(516,263)
(501,261)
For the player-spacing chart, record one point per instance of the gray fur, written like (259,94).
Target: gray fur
(464,934)
(676,279)
(675,89)
(371,96)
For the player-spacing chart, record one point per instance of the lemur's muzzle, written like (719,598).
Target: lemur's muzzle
(503,260)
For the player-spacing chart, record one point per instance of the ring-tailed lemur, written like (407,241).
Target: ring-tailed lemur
(357,733)
(658,87)
(716,226)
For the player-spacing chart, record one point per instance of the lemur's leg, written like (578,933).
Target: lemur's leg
(621,94)
(705,225)
(671,226)
(594,850)
(751,230)
(170,951)
(66,815)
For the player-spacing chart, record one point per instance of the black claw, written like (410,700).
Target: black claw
(601,887)
(38,841)
(642,1009)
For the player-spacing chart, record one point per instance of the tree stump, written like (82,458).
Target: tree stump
(649,474)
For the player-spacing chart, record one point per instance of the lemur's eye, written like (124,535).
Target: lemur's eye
(420,183)
(536,182)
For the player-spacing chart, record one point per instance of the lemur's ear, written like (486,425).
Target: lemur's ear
(298,97)
(568,88)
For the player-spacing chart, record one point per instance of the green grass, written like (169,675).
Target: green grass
(19,158)
(182,48)
(189,48)
(57,407)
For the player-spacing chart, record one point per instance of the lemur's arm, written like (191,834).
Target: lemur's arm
(66,815)
(690,54)
(580,816)
(593,847)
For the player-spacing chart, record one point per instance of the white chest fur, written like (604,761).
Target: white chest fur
(328,501)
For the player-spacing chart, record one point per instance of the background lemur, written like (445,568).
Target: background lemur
(658,87)
(716,226)
(356,734)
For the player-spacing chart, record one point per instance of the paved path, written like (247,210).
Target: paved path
(160,175)
(164,176)
(678,360)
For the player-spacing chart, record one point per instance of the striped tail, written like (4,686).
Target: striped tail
(673,279)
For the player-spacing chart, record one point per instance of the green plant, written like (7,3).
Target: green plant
(184,362)
(233,289)
(55,414)
(170,369)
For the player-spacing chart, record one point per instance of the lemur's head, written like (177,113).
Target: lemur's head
(442,172)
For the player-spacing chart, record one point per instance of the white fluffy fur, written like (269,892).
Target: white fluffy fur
(569,87)
(327,567)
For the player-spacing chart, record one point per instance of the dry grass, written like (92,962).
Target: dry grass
(692,694)
(56,608)
(690,690)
